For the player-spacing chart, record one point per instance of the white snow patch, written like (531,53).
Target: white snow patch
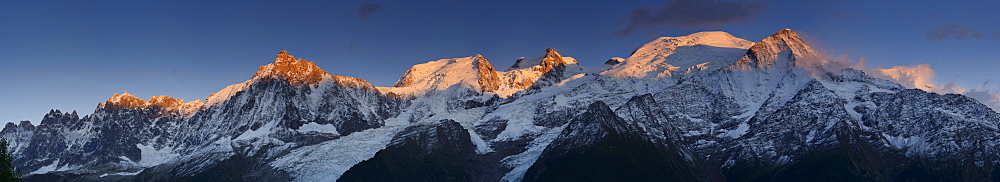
(152,157)
(693,133)
(783,160)
(262,131)
(226,93)
(877,89)
(850,110)
(571,78)
(729,163)
(912,144)
(47,168)
(126,159)
(561,100)
(811,135)
(740,130)
(321,128)
(481,146)
(521,162)
(122,173)
(846,90)
(518,124)
(54,167)
(329,160)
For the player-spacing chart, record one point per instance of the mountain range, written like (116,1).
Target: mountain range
(702,107)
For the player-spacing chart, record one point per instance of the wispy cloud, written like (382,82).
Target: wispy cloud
(690,14)
(953,31)
(367,9)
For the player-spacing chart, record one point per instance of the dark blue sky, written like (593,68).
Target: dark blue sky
(70,55)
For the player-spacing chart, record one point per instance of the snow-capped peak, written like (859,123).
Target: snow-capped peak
(764,53)
(668,45)
(666,55)
(124,100)
(473,72)
(296,71)
(546,61)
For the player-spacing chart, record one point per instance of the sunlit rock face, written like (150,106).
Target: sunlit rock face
(785,43)
(163,105)
(295,71)
(550,59)
(703,107)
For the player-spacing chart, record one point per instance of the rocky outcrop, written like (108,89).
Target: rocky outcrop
(544,63)
(613,61)
(488,79)
(539,71)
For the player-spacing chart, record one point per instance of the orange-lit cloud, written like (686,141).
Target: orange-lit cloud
(920,76)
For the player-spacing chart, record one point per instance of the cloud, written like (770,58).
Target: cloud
(817,66)
(987,94)
(920,76)
(691,14)
(953,31)
(996,35)
(367,9)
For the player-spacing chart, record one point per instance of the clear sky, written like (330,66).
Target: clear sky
(70,55)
